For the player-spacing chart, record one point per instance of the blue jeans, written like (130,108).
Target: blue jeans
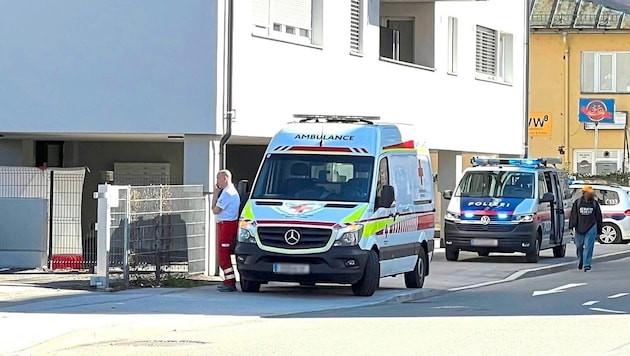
(584,244)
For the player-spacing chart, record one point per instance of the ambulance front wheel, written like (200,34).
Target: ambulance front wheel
(452,253)
(367,285)
(415,278)
(250,286)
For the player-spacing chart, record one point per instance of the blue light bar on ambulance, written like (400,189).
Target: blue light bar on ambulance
(526,162)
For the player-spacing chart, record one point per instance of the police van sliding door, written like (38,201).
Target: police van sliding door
(558,208)
(544,209)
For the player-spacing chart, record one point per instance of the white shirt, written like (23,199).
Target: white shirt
(229,202)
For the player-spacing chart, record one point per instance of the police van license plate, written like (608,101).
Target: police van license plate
(484,242)
(291,268)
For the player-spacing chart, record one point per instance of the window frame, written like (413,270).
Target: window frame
(453,45)
(356,44)
(596,69)
(314,33)
(503,56)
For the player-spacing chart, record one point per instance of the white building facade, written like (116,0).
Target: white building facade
(107,82)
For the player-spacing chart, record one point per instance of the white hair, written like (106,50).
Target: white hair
(226,173)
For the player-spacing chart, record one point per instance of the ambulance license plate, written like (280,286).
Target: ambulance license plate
(484,242)
(291,268)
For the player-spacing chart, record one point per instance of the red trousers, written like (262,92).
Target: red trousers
(227,231)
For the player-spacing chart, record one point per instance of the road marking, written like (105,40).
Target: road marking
(608,310)
(591,302)
(557,289)
(619,295)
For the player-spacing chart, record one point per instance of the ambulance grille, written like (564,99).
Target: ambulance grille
(309,237)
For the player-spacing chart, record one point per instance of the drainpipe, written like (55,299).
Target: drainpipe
(526,81)
(567,150)
(228,112)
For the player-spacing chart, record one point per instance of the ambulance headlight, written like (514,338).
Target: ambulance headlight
(244,234)
(524,218)
(351,237)
(451,216)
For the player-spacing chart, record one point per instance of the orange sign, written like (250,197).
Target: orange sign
(540,124)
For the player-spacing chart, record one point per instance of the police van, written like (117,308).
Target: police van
(509,205)
(338,199)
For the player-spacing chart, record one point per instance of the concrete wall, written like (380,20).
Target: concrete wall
(275,80)
(547,92)
(10,152)
(116,66)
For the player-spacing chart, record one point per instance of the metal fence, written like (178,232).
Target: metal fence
(157,229)
(62,190)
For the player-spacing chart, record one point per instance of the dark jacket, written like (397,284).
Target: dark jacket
(584,215)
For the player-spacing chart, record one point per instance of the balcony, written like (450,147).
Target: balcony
(408,32)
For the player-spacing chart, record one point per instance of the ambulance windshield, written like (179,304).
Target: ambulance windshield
(497,184)
(315,177)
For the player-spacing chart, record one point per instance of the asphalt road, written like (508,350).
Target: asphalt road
(569,313)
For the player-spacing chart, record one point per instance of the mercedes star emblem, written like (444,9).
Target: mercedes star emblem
(484,220)
(292,237)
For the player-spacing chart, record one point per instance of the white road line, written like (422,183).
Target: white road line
(608,310)
(591,302)
(619,295)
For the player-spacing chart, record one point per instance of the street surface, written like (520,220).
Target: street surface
(566,313)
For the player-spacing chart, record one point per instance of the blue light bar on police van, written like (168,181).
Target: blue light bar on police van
(526,162)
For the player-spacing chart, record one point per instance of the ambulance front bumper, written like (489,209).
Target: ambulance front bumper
(343,265)
(493,238)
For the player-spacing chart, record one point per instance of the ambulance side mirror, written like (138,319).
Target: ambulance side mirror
(243,188)
(447,194)
(387,197)
(547,198)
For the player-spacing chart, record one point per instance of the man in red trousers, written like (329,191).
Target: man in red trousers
(225,205)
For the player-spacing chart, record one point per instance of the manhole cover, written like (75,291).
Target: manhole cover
(159,343)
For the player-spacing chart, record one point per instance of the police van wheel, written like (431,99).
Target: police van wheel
(559,251)
(415,278)
(452,253)
(250,286)
(532,255)
(367,285)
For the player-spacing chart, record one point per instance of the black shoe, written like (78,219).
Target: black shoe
(580,265)
(587,268)
(227,288)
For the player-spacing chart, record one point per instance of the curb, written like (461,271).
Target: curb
(522,274)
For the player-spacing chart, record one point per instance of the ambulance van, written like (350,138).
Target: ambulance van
(338,199)
(509,205)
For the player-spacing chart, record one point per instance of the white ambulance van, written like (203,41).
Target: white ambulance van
(338,199)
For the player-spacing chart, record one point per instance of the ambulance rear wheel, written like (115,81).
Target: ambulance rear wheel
(452,253)
(367,285)
(415,278)
(249,286)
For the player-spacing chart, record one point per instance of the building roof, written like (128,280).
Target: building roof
(580,14)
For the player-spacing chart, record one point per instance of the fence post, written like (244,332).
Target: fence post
(51,201)
(108,198)
(126,237)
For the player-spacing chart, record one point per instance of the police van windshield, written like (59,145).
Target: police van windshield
(314,177)
(497,184)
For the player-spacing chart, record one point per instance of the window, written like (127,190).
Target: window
(494,55)
(452,45)
(542,185)
(314,177)
(606,197)
(497,184)
(356,25)
(291,20)
(605,72)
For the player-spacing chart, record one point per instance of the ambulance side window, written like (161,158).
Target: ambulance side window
(383,177)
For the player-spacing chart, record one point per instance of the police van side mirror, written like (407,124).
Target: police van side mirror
(447,194)
(547,198)
(387,197)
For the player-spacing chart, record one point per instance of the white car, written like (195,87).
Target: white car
(614,201)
